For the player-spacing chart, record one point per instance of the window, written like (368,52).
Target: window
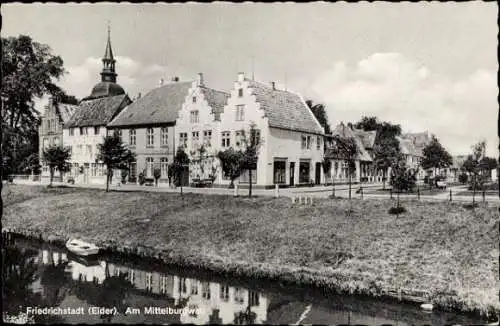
(163,284)
(150,141)
(82,131)
(318,142)
(255,136)
(132,137)
(194,116)
(164,167)
(205,290)
(306,142)
(253,299)
(226,139)
(238,295)
(279,171)
(149,282)
(224,292)
(207,138)
(131,276)
(182,285)
(96,130)
(49,124)
(93,169)
(240,92)
(239,138)
(194,99)
(149,167)
(240,112)
(194,287)
(89,150)
(71,131)
(196,138)
(183,139)
(164,137)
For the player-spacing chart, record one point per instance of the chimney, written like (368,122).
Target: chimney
(160,84)
(273,85)
(175,79)
(241,77)
(200,81)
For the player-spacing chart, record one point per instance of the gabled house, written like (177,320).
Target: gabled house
(291,151)
(86,128)
(50,131)
(412,146)
(198,130)
(147,127)
(339,167)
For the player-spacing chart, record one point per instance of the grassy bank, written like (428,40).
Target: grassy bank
(439,247)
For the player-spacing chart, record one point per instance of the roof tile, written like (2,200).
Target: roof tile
(285,109)
(97,112)
(160,105)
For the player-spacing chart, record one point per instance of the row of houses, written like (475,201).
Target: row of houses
(191,115)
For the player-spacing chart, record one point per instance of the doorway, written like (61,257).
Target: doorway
(318,173)
(292,173)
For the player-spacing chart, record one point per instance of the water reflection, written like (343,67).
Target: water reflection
(50,277)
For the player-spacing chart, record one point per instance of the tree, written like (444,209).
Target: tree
(472,166)
(386,154)
(115,155)
(181,160)
(368,123)
(326,164)
(435,156)
(251,146)
(320,113)
(402,179)
(29,71)
(386,150)
(230,160)
(58,157)
(486,165)
(347,150)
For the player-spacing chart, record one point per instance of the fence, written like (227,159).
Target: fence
(461,195)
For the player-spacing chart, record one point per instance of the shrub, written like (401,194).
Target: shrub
(124,175)
(463,178)
(397,210)
(470,205)
(142,178)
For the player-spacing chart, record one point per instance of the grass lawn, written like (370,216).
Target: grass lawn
(440,247)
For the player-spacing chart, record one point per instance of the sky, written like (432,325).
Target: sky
(425,66)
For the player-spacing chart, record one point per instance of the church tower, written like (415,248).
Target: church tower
(108,73)
(108,86)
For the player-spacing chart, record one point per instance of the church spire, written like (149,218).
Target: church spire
(108,70)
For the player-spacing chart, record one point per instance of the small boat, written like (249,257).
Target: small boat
(493,323)
(427,306)
(82,248)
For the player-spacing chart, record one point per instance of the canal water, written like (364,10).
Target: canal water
(53,286)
